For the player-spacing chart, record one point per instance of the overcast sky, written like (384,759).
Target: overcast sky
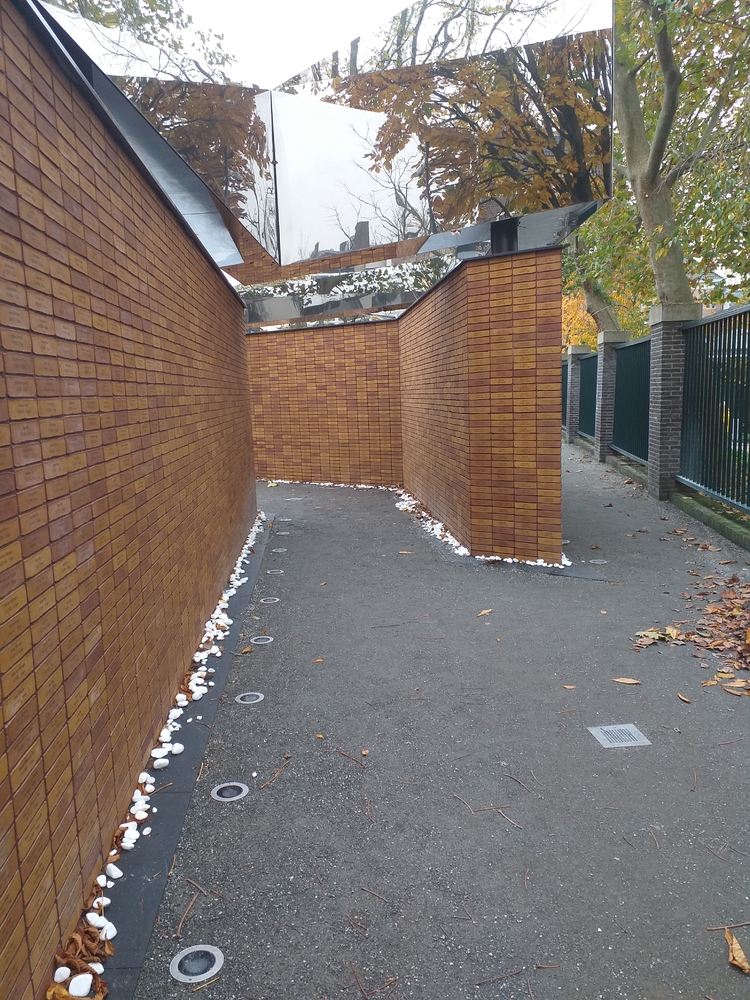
(272,41)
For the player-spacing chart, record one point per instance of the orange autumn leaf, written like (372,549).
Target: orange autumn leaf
(736,954)
(625,680)
(683,698)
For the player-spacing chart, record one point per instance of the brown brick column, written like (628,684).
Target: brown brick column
(665,409)
(605,390)
(575,353)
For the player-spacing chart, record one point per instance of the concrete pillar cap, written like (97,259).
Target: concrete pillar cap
(612,337)
(579,349)
(676,312)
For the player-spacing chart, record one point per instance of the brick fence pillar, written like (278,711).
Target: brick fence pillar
(665,408)
(575,353)
(605,390)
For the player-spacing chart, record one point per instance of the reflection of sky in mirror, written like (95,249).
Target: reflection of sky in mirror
(324,184)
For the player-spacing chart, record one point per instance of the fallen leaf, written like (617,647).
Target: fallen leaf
(486,612)
(322,584)
(727,562)
(498,639)
(630,534)
(683,698)
(628,481)
(593,546)
(247,649)
(570,687)
(606,505)
(602,612)
(736,954)
(269,485)
(365,753)
(646,531)
(708,684)
(320,659)
(625,680)
(693,573)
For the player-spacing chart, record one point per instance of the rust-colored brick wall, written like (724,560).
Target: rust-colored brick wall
(325,404)
(123,390)
(480,401)
(477,405)
(434,361)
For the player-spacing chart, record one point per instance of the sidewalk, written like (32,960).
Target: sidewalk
(609,864)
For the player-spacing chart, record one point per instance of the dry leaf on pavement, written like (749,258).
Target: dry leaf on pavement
(487,612)
(736,954)
(683,698)
(625,680)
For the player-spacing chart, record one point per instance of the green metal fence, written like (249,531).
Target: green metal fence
(564,393)
(715,448)
(632,383)
(587,405)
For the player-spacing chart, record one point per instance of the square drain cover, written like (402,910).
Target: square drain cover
(626,735)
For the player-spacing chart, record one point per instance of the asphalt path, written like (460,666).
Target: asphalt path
(365,854)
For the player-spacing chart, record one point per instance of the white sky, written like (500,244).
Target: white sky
(275,39)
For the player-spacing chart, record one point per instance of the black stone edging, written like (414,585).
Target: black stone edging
(136,897)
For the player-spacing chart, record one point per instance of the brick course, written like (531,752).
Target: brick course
(123,386)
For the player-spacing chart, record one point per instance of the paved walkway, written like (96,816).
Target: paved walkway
(607,866)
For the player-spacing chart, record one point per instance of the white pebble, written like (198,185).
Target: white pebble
(158,752)
(143,777)
(80,986)
(199,717)
(189,720)
(197,695)
(96,920)
(97,967)
(146,831)
(150,788)
(107,933)
(154,810)
(211,684)
(177,748)
(101,880)
(127,845)
(159,764)
(165,735)
(101,901)
(62,974)
(111,853)
(141,815)
(113,871)
(110,884)
(255,774)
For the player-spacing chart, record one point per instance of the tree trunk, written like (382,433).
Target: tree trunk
(653,196)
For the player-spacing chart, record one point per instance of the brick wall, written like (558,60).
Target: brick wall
(325,404)
(480,382)
(469,381)
(123,383)
(434,355)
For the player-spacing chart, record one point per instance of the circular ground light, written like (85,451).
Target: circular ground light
(283,532)
(278,550)
(283,518)
(193,965)
(249,698)
(261,640)
(230,791)
(270,600)
(274,572)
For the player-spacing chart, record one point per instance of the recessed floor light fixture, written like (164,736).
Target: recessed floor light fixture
(270,600)
(274,572)
(261,640)
(193,965)
(283,518)
(278,550)
(249,698)
(230,791)
(283,532)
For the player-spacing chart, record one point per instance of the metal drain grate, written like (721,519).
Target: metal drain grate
(626,735)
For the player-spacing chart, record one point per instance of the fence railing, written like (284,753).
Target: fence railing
(564,393)
(587,405)
(632,385)
(715,447)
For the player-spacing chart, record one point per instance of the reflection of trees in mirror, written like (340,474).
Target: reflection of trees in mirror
(216,129)
(530,127)
(178,48)
(418,276)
